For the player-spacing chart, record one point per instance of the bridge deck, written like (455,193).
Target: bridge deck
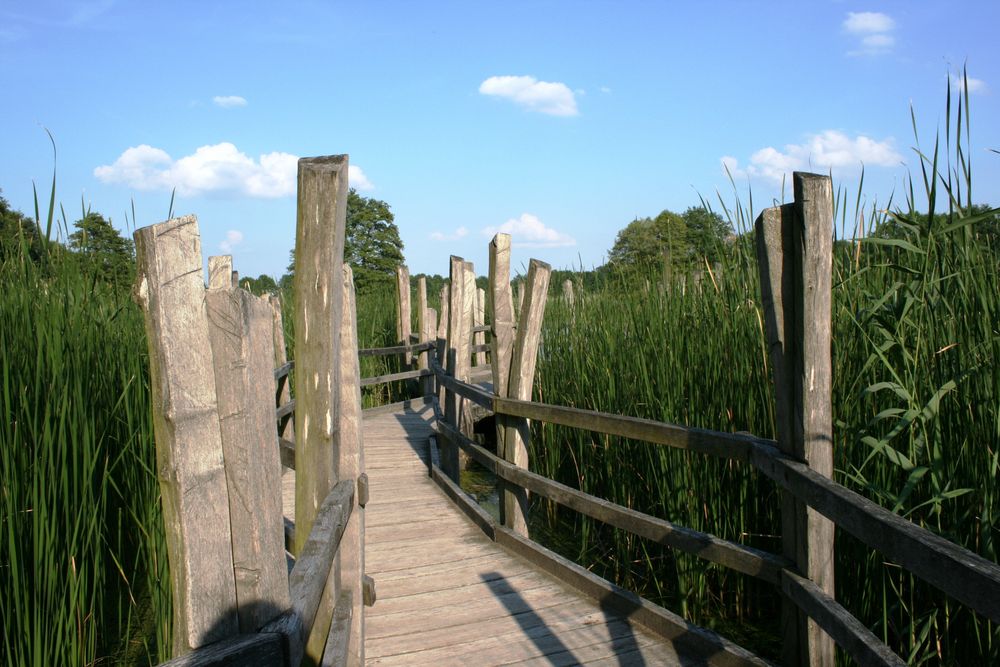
(447,594)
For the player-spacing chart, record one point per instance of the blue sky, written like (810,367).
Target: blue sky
(557,121)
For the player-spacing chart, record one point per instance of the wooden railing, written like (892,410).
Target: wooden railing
(793,248)
(218,372)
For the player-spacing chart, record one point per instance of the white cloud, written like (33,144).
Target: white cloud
(219,168)
(229,101)
(605,90)
(528,231)
(234,237)
(975,85)
(868,22)
(459,233)
(827,150)
(873,29)
(357,178)
(552,98)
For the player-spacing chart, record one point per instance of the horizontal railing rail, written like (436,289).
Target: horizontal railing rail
(963,575)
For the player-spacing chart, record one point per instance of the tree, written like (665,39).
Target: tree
(18,233)
(261,285)
(707,234)
(104,251)
(647,245)
(371,246)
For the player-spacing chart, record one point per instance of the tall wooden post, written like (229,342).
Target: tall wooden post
(426,329)
(170,289)
(220,271)
(403,315)
(280,359)
(478,319)
(350,465)
(517,433)
(466,423)
(319,256)
(501,312)
(458,356)
(241,336)
(794,252)
(442,339)
(567,288)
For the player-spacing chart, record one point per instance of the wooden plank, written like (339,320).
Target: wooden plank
(795,262)
(170,289)
(308,578)
(462,389)
(403,315)
(691,639)
(501,312)
(338,650)
(426,327)
(394,377)
(848,632)
(479,346)
(256,650)
(220,271)
(567,292)
(733,555)
(241,336)
(319,252)
(394,349)
(351,465)
(517,432)
(466,420)
(456,362)
(724,445)
(965,576)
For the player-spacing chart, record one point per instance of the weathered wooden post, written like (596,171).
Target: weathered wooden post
(403,315)
(319,253)
(466,422)
(220,270)
(517,431)
(518,299)
(442,338)
(280,359)
(426,328)
(567,288)
(478,320)
(170,289)
(794,252)
(242,345)
(459,321)
(502,313)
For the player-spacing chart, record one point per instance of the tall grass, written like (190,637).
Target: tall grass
(83,570)
(915,395)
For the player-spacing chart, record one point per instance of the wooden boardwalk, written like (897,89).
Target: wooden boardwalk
(448,595)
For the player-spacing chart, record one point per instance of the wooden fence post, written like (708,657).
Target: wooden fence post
(403,315)
(220,271)
(478,319)
(567,288)
(442,339)
(319,256)
(501,312)
(280,359)
(170,289)
(466,423)
(426,329)
(794,252)
(241,336)
(458,357)
(514,507)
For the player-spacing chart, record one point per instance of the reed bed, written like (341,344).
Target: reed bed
(916,358)
(83,568)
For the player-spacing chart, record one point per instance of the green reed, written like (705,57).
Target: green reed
(83,570)
(915,394)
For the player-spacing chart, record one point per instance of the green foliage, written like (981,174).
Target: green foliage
(262,284)
(649,245)
(18,234)
(83,567)
(104,252)
(372,246)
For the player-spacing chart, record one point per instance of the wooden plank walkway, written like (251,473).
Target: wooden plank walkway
(448,595)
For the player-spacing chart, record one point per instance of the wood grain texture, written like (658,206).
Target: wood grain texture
(280,361)
(517,432)
(319,243)
(241,336)
(479,347)
(220,271)
(170,289)
(403,312)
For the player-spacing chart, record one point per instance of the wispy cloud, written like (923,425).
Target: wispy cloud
(459,233)
(234,237)
(229,101)
(827,150)
(219,168)
(527,231)
(976,86)
(552,98)
(873,31)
